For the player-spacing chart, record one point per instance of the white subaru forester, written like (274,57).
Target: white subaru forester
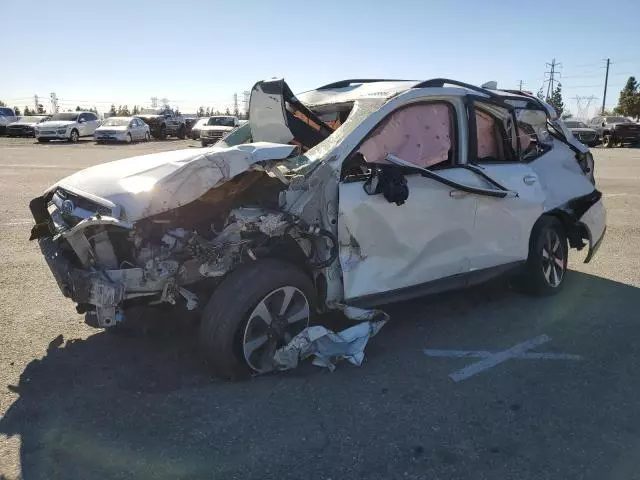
(347,197)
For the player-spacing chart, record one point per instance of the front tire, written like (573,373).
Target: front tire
(162,134)
(182,133)
(607,141)
(204,144)
(128,139)
(74,137)
(547,261)
(147,137)
(256,309)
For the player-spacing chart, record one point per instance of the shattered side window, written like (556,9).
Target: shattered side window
(535,139)
(421,134)
(495,134)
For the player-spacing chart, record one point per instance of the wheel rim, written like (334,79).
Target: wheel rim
(553,259)
(128,138)
(275,320)
(74,137)
(607,140)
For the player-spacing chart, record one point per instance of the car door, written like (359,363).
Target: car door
(503,225)
(134,130)
(386,248)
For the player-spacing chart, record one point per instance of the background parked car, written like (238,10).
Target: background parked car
(122,129)
(586,135)
(7,116)
(189,122)
(615,130)
(195,130)
(26,126)
(164,121)
(67,126)
(216,128)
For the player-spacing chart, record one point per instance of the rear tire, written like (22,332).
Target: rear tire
(607,141)
(162,134)
(224,335)
(204,144)
(547,261)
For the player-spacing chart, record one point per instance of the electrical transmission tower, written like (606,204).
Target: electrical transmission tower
(154,102)
(236,111)
(36,103)
(54,102)
(582,105)
(552,77)
(245,101)
(165,101)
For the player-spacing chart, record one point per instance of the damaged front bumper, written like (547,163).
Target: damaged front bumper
(595,222)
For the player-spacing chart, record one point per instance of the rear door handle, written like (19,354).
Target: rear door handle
(529,179)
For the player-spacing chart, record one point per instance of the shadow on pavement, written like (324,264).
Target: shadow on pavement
(110,407)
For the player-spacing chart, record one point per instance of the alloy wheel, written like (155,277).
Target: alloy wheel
(275,320)
(553,261)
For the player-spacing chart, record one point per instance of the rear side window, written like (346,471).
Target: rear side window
(6,112)
(422,134)
(495,134)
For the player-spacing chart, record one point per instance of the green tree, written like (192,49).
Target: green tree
(135,110)
(2,104)
(208,112)
(629,101)
(112,111)
(78,108)
(41,110)
(17,110)
(227,111)
(27,111)
(201,111)
(556,100)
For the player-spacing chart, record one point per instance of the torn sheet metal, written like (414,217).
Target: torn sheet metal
(328,347)
(152,184)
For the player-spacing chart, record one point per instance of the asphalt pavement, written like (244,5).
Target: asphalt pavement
(555,397)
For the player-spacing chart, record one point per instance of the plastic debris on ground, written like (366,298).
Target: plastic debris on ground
(329,347)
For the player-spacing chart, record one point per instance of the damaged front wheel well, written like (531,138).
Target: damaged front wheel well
(574,230)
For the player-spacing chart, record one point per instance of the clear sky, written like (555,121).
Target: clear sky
(200,52)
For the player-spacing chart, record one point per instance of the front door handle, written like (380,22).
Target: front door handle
(458,194)
(529,179)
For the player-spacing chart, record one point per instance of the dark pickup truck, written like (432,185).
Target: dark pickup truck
(164,122)
(615,131)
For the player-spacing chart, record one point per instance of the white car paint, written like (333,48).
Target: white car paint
(85,123)
(150,184)
(135,130)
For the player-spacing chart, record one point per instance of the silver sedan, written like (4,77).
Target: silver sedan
(122,129)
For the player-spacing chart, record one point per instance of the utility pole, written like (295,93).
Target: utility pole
(520,89)
(606,80)
(245,100)
(35,102)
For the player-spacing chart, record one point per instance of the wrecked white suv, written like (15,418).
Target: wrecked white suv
(357,194)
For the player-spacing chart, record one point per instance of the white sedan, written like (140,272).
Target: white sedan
(122,129)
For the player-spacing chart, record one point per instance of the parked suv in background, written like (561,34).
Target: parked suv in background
(586,135)
(216,128)
(67,126)
(615,131)
(7,116)
(164,121)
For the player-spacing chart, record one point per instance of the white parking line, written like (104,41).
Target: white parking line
(491,359)
(17,222)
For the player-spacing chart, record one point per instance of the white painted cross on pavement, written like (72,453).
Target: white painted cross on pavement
(491,359)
